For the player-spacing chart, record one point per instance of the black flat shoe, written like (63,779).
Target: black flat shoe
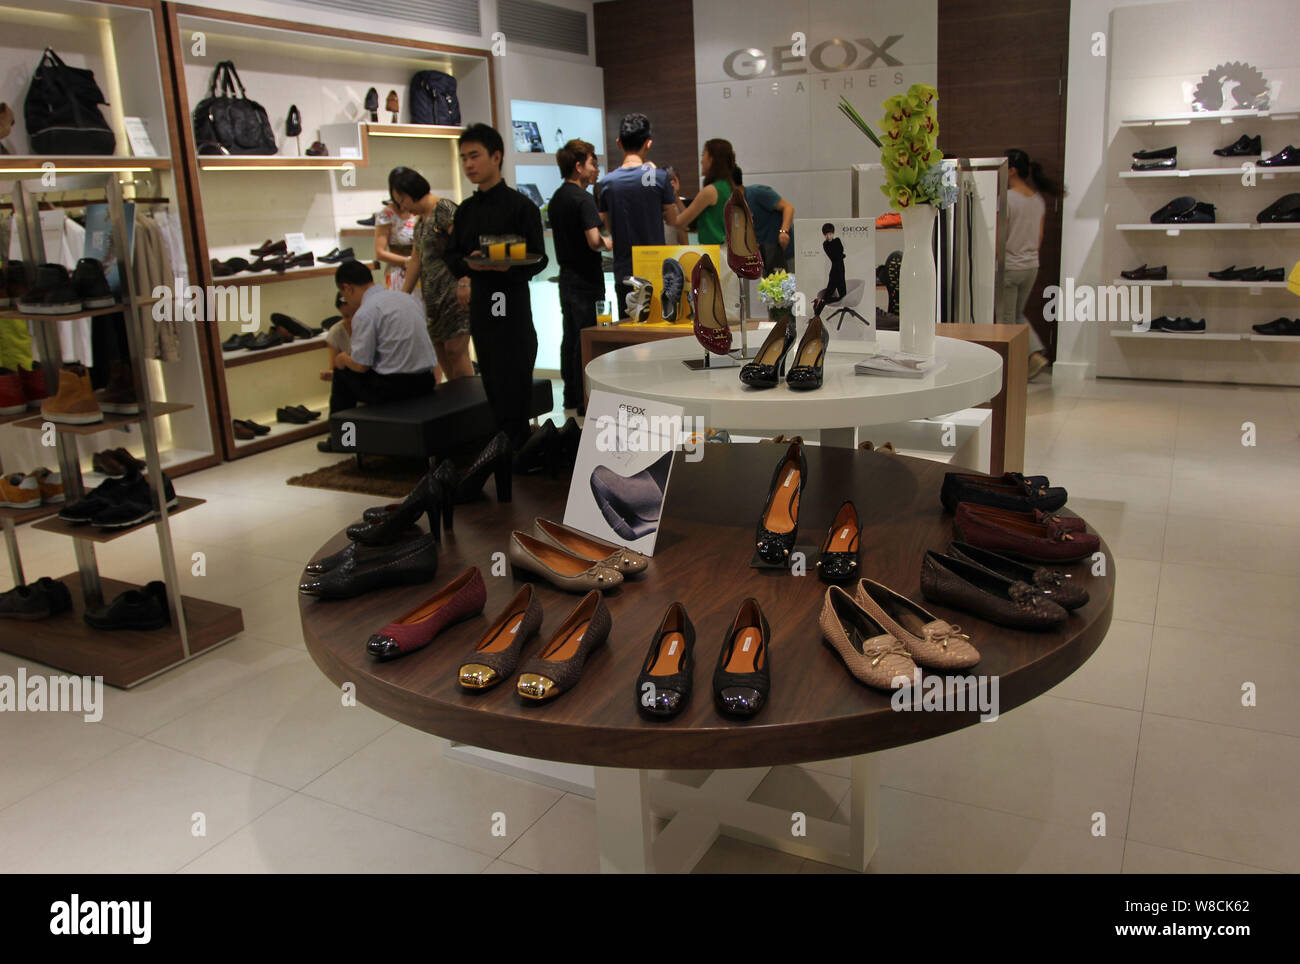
(224,269)
(1272,274)
(779,524)
(538,452)
(275,262)
(494,460)
(768,367)
(664,686)
(372,104)
(252,426)
(236,342)
(1145,273)
(1011,490)
(1287,157)
(838,561)
(1224,274)
(566,444)
(427,498)
(1160,164)
(1243,146)
(291,417)
(1163,153)
(806,369)
(290,325)
(1060,587)
(742,680)
(305,412)
(140,609)
(1285,210)
(270,248)
(369,568)
(336,256)
(1184,210)
(631,503)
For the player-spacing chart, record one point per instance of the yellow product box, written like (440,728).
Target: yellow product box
(648,263)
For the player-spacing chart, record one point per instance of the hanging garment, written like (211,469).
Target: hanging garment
(152,265)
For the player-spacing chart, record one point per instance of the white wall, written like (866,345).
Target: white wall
(1085,179)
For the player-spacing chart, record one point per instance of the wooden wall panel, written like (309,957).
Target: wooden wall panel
(647,51)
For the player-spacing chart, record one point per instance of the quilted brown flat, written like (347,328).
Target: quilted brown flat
(964,585)
(558,667)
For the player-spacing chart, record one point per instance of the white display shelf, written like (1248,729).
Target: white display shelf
(1208,172)
(1222,116)
(1255,336)
(278,429)
(1177,335)
(1227,226)
(1187,283)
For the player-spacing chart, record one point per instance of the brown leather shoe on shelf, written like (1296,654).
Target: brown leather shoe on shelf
(118,395)
(75,403)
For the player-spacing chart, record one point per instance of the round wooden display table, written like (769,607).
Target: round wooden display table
(816,711)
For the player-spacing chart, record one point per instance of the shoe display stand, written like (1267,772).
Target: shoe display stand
(122,658)
(1230,351)
(240,201)
(593,741)
(123,43)
(971,375)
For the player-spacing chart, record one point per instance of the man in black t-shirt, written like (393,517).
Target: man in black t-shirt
(500,310)
(575,228)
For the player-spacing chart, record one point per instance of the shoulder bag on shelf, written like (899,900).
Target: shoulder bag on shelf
(62,110)
(230,123)
(433,99)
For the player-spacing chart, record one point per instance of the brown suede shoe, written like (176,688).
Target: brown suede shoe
(75,403)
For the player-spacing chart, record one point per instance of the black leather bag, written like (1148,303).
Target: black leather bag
(230,123)
(433,99)
(62,110)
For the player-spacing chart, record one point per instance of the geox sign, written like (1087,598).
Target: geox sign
(829,56)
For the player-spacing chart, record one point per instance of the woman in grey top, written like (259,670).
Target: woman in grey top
(448,321)
(1026,215)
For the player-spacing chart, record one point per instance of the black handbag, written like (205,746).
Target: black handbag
(230,123)
(433,99)
(62,110)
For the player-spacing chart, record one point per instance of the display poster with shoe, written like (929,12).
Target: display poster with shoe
(661,281)
(835,265)
(621,474)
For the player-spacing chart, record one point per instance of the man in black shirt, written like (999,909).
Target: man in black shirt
(575,228)
(500,309)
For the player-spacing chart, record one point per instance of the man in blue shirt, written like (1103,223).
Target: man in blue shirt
(635,202)
(391,356)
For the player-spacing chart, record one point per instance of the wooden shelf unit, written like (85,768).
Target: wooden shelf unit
(92,534)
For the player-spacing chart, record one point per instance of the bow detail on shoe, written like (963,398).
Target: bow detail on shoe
(1025,595)
(879,650)
(943,633)
(1051,578)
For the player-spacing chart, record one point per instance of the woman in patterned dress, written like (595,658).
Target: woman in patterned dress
(448,322)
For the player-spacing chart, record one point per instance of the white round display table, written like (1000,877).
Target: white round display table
(971,374)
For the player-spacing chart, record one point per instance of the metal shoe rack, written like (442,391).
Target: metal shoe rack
(123,657)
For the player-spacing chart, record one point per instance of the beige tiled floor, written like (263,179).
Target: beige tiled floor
(246,759)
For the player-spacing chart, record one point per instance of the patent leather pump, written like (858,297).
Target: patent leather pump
(779,525)
(494,460)
(743,679)
(768,366)
(743,256)
(428,497)
(710,310)
(806,371)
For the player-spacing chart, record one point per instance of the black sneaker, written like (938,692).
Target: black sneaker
(134,505)
(92,287)
(291,325)
(105,496)
(53,293)
(42,599)
(134,609)
(1279,326)
(670,298)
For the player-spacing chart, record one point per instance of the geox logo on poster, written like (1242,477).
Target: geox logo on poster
(73,918)
(829,56)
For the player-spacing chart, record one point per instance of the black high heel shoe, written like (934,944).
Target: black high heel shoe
(535,453)
(428,497)
(779,524)
(566,443)
(445,474)
(806,372)
(494,460)
(768,366)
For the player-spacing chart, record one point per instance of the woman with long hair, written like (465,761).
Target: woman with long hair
(1027,186)
(718,167)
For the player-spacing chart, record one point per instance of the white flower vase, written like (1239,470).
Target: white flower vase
(917,282)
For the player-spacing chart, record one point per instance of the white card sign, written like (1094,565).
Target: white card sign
(296,243)
(138,137)
(621,474)
(835,262)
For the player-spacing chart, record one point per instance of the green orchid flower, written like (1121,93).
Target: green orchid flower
(924,92)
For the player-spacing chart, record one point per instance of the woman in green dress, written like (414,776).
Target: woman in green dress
(718,167)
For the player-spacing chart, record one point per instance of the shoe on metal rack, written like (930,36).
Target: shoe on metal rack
(92,287)
(53,293)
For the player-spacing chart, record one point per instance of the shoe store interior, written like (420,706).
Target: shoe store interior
(403,406)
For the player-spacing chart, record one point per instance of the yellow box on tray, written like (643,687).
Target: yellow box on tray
(497,251)
(518,251)
(648,263)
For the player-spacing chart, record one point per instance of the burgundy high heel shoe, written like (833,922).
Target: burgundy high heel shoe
(710,311)
(743,256)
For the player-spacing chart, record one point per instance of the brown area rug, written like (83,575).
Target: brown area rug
(392,478)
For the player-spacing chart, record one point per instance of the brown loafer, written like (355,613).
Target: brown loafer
(988,595)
